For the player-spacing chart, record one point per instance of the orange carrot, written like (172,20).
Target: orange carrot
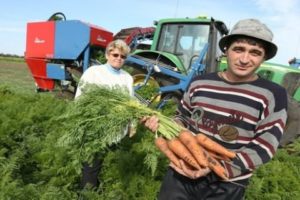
(217,168)
(217,156)
(162,145)
(182,152)
(211,145)
(189,140)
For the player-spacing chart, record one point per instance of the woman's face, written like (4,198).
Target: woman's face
(115,58)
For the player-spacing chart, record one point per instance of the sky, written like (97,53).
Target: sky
(281,16)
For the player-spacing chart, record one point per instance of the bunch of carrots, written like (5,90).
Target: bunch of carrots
(198,151)
(114,107)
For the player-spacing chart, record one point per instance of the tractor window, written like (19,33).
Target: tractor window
(219,53)
(167,39)
(186,41)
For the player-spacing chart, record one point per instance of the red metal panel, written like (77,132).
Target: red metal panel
(45,84)
(99,36)
(38,71)
(37,67)
(40,39)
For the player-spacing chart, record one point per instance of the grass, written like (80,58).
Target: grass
(14,72)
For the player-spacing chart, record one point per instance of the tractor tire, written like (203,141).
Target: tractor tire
(292,129)
(147,94)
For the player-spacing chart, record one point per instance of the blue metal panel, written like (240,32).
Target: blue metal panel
(71,39)
(86,59)
(56,71)
(295,63)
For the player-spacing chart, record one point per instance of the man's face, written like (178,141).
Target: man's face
(243,60)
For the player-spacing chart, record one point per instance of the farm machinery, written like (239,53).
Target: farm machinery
(181,49)
(295,62)
(58,51)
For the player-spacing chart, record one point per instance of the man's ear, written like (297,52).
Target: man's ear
(265,58)
(225,53)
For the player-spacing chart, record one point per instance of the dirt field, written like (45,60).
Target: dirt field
(16,74)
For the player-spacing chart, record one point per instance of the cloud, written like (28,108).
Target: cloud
(280,7)
(283,18)
(12,30)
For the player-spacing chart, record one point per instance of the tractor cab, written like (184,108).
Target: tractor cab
(183,40)
(181,49)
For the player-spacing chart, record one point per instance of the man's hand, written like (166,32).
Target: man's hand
(151,123)
(189,172)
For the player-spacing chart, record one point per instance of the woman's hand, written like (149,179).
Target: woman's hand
(190,172)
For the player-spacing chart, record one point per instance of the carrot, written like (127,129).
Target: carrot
(189,140)
(182,152)
(162,145)
(217,168)
(217,156)
(211,145)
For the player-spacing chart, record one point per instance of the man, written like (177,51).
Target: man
(109,74)
(235,108)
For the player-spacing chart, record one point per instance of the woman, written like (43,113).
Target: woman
(109,74)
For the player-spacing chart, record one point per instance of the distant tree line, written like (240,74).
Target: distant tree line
(10,55)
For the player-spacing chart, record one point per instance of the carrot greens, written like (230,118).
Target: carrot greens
(37,160)
(100,117)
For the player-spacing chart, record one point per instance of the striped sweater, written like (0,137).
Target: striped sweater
(248,118)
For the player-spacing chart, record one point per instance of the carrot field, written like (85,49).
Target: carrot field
(33,164)
(15,72)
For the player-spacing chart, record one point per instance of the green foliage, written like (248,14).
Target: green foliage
(24,123)
(15,73)
(125,175)
(39,156)
(38,159)
(13,58)
(278,179)
(100,56)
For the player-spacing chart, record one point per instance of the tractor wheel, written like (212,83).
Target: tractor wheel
(149,93)
(292,130)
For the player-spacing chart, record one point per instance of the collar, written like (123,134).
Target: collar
(112,69)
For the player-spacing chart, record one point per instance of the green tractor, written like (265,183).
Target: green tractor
(185,47)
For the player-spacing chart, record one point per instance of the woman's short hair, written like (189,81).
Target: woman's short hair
(118,44)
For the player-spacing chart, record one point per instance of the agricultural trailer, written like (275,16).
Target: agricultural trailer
(58,51)
(185,47)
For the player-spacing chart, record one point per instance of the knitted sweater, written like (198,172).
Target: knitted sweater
(248,118)
(105,75)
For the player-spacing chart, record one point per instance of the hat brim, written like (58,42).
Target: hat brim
(271,48)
